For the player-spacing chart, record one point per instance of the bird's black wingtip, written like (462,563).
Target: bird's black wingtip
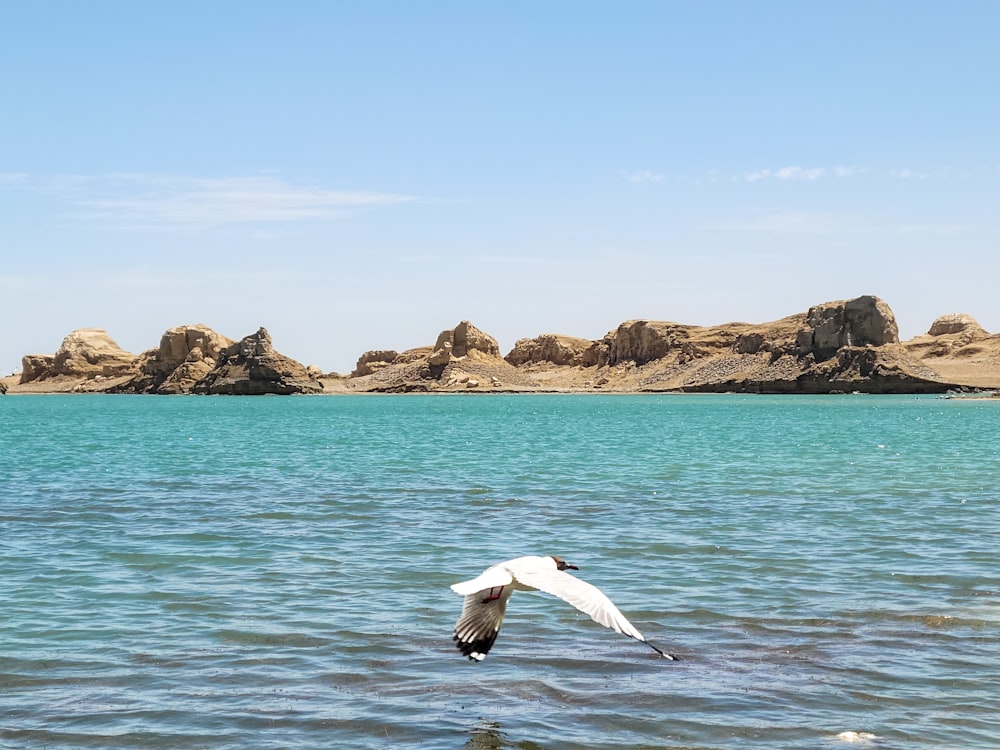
(663,654)
(475,649)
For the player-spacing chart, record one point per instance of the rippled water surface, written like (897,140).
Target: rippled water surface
(185,572)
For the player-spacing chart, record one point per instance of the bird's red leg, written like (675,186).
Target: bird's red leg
(493,597)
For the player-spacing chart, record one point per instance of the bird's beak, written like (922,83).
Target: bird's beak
(571,567)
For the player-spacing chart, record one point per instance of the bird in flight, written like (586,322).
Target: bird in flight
(486,599)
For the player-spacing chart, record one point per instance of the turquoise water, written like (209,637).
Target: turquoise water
(212,572)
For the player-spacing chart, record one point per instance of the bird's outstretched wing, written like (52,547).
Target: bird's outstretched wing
(488,579)
(479,623)
(584,596)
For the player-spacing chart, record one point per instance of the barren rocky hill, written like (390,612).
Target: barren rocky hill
(841,346)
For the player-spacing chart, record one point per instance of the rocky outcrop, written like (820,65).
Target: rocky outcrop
(841,346)
(253,367)
(554,349)
(953,323)
(864,321)
(642,341)
(960,351)
(462,358)
(459,342)
(186,355)
(947,336)
(886,369)
(465,338)
(86,353)
(36,367)
(372,361)
(848,345)
(178,344)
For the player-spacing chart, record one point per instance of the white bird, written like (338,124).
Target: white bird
(486,599)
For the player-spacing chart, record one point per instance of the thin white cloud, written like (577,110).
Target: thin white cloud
(156,200)
(802,174)
(842,171)
(791,173)
(828,223)
(787,173)
(188,201)
(644,175)
(908,174)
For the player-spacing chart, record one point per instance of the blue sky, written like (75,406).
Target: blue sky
(361,176)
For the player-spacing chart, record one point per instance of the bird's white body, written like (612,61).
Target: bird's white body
(486,599)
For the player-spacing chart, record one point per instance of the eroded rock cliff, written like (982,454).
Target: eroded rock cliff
(847,345)
(85,354)
(186,355)
(462,358)
(863,321)
(252,367)
(554,349)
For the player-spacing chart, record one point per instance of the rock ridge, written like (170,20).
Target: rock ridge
(840,346)
(252,367)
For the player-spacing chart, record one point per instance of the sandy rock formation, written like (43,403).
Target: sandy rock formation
(642,341)
(457,343)
(552,348)
(863,321)
(463,358)
(252,367)
(441,355)
(178,343)
(886,369)
(36,367)
(955,323)
(86,353)
(465,338)
(847,345)
(842,346)
(186,355)
(374,360)
(947,335)
(958,348)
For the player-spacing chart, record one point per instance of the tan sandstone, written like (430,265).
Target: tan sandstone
(840,346)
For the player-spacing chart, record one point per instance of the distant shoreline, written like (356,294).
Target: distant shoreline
(66,388)
(838,347)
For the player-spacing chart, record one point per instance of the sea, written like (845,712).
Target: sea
(274,572)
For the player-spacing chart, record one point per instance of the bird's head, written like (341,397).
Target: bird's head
(562,564)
